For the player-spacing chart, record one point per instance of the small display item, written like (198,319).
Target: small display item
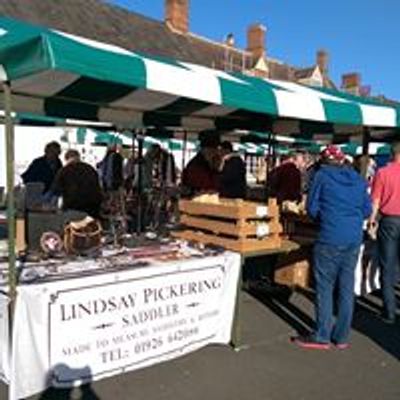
(51,243)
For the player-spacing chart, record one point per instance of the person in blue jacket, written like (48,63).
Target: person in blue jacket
(338,200)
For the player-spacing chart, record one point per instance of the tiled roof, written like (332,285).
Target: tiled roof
(101,21)
(108,23)
(328,83)
(304,73)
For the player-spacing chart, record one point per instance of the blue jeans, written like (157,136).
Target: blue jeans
(334,266)
(388,245)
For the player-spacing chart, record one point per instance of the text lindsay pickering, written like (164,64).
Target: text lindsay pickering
(147,296)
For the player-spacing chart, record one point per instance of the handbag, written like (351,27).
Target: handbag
(82,237)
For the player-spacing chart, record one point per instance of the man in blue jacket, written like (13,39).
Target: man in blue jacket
(339,201)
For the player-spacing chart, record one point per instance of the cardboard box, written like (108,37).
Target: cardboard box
(294,268)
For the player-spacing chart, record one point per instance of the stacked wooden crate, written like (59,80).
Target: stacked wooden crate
(237,225)
(298,226)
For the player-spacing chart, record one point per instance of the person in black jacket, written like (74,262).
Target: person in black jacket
(232,182)
(45,168)
(78,185)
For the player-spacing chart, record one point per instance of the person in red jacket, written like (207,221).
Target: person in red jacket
(201,174)
(285,181)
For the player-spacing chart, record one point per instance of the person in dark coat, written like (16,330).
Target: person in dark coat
(201,173)
(111,170)
(285,181)
(232,180)
(45,168)
(78,184)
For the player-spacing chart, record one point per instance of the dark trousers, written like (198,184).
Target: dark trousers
(388,245)
(334,266)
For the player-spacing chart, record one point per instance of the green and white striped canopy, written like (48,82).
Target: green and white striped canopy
(92,136)
(61,75)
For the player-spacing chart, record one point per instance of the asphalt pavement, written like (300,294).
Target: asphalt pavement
(268,366)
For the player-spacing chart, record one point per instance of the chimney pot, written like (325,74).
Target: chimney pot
(256,40)
(177,15)
(351,82)
(230,39)
(323,61)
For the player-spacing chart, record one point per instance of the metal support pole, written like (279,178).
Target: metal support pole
(365,151)
(269,161)
(274,155)
(184,149)
(140,186)
(133,145)
(12,275)
(236,331)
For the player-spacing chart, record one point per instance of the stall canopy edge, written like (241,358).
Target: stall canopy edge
(65,76)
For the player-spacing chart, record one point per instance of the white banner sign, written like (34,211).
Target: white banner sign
(115,326)
(81,330)
(4,338)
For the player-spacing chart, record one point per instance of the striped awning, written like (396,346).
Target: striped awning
(85,136)
(65,76)
(355,149)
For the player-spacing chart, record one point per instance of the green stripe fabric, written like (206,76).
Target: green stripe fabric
(346,113)
(255,95)
(71,56)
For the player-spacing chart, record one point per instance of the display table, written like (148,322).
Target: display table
(77,330)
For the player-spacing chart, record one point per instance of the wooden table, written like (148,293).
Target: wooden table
(287,247)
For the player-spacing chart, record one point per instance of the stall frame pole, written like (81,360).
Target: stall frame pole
(366,138)
(12,273)
(184,149)
(9,126)
(140,208)
(270,160)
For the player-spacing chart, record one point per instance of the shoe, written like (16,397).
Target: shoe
(388,319)
(342,346)
(309,342)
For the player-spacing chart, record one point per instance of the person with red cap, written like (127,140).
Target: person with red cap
(338,199)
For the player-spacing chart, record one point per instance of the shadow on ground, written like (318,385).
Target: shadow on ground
(84,392)
(366,320)
(65,372)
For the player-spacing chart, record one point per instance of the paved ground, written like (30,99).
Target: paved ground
(269,367)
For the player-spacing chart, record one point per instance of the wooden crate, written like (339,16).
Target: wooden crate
(233,224)
(239,228)
(232,209)
(299,226)
(238,245)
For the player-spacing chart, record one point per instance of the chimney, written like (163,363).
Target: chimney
(177,15)
(323,61)
(351,83)
(256,40)
(230,40)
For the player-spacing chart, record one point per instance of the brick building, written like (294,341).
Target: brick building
(172,37)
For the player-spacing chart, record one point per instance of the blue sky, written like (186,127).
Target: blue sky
(360,35)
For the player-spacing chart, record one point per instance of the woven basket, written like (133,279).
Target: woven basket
(83,236)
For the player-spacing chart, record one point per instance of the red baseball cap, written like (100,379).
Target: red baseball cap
(332,152)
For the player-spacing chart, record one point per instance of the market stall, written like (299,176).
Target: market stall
(80,321)
(51,73)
